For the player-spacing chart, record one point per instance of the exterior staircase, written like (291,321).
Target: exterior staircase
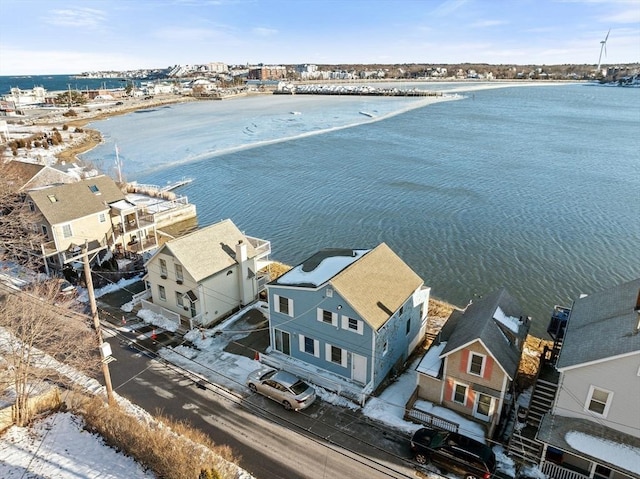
(522,444)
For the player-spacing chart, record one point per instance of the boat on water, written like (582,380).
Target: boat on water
(366,113)
(296,113)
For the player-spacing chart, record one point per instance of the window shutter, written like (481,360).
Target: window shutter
(319,314)
(488,367)
(344,358)
(464,360)
(301,343)
(276,303)
(334,319)
(316,348)
(448,390)
(327,352)
(290,307)
(471,397)
(345,322)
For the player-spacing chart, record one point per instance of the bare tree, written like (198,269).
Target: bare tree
(41,341)
(19,236)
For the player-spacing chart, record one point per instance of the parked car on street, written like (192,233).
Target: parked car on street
(282,387)
(453,452)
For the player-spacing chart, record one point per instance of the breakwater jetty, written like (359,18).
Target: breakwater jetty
(361,90)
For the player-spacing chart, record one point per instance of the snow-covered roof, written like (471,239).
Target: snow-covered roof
(316,274)
(624,455)
(511,322)
(431,363)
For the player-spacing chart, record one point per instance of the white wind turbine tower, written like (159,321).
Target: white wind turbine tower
(603,47)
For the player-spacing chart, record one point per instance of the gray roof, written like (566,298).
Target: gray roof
(208,250)
(29,175)
(553,431)
(602,325)
(76,200)
(477,322)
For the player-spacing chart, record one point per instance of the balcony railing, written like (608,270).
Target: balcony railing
(558,472)
(262,247)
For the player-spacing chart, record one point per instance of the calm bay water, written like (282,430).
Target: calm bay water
(533,188)
(56,83)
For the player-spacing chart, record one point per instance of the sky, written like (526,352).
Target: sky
(74,36)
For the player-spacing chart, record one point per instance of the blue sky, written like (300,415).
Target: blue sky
(61,36)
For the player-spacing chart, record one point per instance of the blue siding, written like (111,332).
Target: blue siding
(305,322)
(305,305)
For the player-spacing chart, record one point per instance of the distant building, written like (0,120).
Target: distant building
(267,73)
(21,97)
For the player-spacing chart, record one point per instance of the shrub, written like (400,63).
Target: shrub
(70,113)
(65,127)
(169,448)
(79,130)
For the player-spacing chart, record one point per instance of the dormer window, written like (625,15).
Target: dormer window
(52,198)
(94,189)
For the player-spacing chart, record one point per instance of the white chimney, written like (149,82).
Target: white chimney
(241,252)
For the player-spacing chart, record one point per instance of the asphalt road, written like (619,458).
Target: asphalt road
(324,441)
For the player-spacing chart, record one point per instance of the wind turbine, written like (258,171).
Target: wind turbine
(603,47)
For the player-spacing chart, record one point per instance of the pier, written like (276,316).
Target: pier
(354,90)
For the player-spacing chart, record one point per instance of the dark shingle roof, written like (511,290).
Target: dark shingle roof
(477,322)
(602,325)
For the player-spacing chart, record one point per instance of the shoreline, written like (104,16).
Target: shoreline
(91,138)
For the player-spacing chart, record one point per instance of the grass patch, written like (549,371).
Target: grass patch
(169,448)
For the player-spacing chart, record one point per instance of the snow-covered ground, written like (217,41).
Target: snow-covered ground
(209,360)
(58,446)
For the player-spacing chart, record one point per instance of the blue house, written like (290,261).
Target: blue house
(356,313)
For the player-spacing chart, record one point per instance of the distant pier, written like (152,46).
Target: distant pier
(354,90)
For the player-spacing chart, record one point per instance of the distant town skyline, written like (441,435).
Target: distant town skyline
(44,37)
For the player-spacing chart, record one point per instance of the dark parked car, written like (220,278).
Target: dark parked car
(453,452)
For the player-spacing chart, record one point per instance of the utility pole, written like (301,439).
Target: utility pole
(96,324)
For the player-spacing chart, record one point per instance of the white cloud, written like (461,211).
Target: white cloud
(630,15)
(264,32)
(185,34)
(488,23)
(78,18)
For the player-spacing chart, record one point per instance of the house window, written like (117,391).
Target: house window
(94,189)
(327,317)
(66,231)
(163,293)
(179,299)
(179,275)
(309,345)
(352,324)
(336,355)
(459,394)
(283,305)
(598,401)
(45,231)
(401,309)
(102,218)
(283,342)
(385,348)
(408,329)
(602,472)
(163,267)
(32,207)
(476,364)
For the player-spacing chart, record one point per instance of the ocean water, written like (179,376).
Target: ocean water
(532,188)
(56,83)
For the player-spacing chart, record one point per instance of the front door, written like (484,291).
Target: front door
(358,368)
(483,408)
